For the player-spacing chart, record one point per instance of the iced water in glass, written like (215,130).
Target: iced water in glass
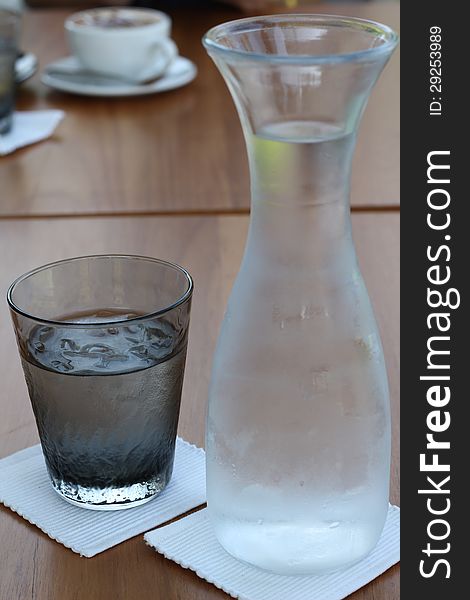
(102,341)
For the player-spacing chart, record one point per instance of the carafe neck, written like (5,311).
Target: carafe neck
(300,198)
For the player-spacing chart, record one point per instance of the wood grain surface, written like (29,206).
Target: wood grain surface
(34,566)
(177,152)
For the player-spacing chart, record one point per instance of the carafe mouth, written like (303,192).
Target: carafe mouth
(301,39)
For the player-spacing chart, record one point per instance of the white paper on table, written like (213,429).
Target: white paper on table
(191,543)
(29,127)
(26,489)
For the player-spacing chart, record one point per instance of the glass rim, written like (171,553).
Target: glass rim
(210,42)
(66,324)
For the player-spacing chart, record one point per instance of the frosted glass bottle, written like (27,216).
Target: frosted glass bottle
(298,427)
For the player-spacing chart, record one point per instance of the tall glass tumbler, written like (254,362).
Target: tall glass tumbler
(9,32)
(102,341)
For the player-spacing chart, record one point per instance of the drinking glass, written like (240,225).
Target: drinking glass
(9,31)
(102,341)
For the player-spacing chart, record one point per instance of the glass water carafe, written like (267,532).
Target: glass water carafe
(298,428)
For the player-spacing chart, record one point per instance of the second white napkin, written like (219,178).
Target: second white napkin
(191,543)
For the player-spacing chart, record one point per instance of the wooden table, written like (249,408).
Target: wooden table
(150,208)
(181,151)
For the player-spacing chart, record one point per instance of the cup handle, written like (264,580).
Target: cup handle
(164,49)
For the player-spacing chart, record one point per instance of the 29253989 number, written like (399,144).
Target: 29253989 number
(435,57)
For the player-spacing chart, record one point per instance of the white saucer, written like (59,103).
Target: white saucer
(66,75)
(25,67)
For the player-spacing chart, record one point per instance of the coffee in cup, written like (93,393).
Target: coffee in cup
(130,43)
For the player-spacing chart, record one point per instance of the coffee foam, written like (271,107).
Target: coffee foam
(116,18)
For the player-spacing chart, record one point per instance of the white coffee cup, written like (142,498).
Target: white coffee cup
(131,43)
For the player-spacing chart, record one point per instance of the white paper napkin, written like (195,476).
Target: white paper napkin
(191,543)
(26,489)
(29,127)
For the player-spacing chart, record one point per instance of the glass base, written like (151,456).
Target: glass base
(111,498)
(289,570)
(283,548)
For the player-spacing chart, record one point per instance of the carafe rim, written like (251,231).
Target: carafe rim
(388,37)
